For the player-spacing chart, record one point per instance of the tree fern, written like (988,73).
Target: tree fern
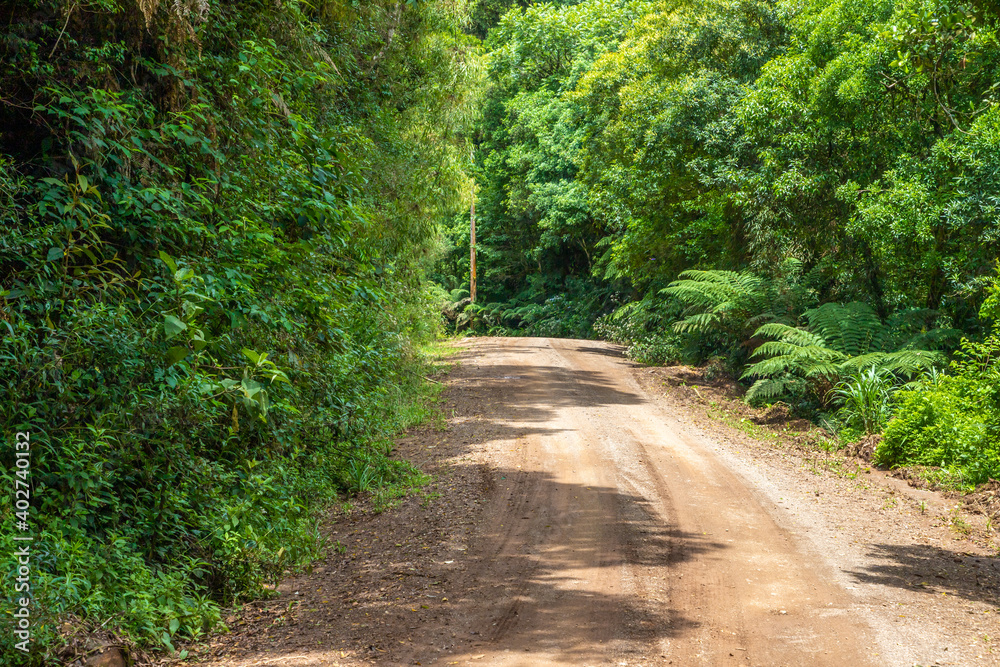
(852,328)
(722,306)
(840,340)
(902,362)
(732,305)
(717,299)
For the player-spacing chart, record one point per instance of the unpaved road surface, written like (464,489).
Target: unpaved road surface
(623,539)
(581,523)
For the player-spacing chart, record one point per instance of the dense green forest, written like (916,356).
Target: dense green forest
(217,222)
(229,226)
(803,194)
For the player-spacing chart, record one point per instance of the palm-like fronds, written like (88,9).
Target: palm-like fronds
(840,340)
(732,305)
(790,335)
(713,297)
(852,328)
(723,305)
(902,362)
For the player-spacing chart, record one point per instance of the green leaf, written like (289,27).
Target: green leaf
(251,388)
(169,261)
(279,376)
(54,254)
(175,354)
(251,355)
(174,625)
(172,326)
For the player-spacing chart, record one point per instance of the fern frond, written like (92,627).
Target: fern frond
(788,363)
(823,370)
(699,323)
(907,362)
(931,339)
(765,390)
(697,275)
(774,348)
(789,334)
(847,327)
(699,294)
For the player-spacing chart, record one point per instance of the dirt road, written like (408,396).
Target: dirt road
(623,540)
(581,523)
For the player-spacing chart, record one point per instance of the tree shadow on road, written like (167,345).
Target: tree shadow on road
(934,570)
(535,393)
(616,352)
(498,559)
(546,571)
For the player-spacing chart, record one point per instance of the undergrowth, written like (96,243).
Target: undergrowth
(212,537)
(217,220)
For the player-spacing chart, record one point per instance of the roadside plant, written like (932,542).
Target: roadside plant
(723,310)
(867,399)
(363,474)
(953,421)
(838,342)
(644,328)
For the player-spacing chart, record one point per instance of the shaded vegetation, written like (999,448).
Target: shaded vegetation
(217,222)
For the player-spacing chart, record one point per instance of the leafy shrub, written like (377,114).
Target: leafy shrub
(951,421)
(644,327)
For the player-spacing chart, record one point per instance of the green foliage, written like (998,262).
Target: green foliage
(991,306)
(217,223)
(951,421)
(838,341)
(866,399)
(857,138)
(547,308)
(723,309)
(644,328)
(536,233)
(658,164)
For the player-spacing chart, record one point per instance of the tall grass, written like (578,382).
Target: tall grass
(866,397)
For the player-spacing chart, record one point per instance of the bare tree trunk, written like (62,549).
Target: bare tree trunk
(472,247)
